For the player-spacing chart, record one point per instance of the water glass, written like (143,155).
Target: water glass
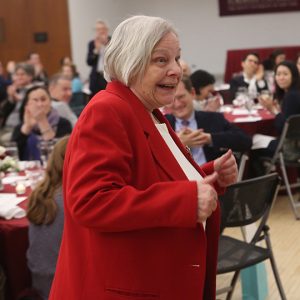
(265,95)
(12,150)
(34,172)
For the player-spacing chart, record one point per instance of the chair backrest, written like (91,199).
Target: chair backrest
(289,142)
(248,201)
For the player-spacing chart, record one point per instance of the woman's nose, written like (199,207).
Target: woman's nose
(175,69)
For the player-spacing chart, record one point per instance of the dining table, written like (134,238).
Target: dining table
(13,246)
(257,120)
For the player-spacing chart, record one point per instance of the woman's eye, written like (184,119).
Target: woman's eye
(161,60)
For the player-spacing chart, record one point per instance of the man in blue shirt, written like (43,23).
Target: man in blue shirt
(207,134)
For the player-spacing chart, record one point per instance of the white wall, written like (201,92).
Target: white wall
(205,37)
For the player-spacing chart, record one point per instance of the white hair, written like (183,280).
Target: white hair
(129,51)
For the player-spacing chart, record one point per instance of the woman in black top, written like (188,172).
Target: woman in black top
(40,122)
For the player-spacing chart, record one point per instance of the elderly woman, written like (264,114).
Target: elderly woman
(40,122)
(141,217)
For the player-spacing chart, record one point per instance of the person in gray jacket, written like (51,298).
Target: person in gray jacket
(46,215)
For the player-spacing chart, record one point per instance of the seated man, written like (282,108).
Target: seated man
(205,98)
(60,88)
(208,134)
(9,108)
(252,78)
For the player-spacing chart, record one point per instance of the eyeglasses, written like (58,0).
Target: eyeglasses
(253,61)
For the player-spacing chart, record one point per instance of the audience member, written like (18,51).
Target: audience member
(95,57)
(286,102)
(10,69)
(66,60)
(4,83)
(45,213)
(39,72)
(276,57)
(39,121)
(69,70)
(134,212)
(60,88)
(207,134)
(298,62)
(186,70)
(269,64)
(252,77)
(9,112)
(206,98)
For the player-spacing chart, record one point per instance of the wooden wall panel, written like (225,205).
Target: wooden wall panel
(23,18)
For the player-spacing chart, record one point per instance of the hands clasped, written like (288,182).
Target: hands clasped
(192,138)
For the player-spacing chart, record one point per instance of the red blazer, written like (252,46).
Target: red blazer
(131,227)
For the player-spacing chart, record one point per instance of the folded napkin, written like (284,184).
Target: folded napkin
(260,141)
(13,179)
(247,119)
(9,208)
(243,111)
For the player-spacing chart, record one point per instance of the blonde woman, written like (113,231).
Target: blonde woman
(46,215)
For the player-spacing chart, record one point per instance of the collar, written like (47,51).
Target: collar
(159,148)
(190,119)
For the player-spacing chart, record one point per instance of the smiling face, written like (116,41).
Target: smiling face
(182,107)
(250,65)
(158,85)
(62,90)
(283,77)
(40,99)
(21,78)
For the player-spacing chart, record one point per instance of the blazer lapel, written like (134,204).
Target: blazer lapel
(174,136)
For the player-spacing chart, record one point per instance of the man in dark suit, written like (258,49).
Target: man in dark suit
(251,79)
(208,134)
(95,57)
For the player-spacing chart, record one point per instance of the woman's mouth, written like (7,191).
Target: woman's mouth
(167,86)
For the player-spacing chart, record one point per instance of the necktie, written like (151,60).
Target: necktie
(185,123)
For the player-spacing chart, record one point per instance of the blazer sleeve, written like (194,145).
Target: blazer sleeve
(100,179)
(229,136)
(290,106)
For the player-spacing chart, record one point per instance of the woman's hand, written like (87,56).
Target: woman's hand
(28,121)
(226,168)
(207,197)
(269,104)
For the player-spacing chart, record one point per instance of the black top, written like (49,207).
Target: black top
(63,128)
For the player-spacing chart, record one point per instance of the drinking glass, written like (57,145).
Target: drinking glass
(265,95)
(249,105)
(12,150)
(33,172)
(46,148)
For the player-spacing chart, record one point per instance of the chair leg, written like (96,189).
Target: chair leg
(293,202)
(233,284)
(274,267)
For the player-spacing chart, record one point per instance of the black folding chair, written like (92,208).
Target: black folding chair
(244,203)
(287,154)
